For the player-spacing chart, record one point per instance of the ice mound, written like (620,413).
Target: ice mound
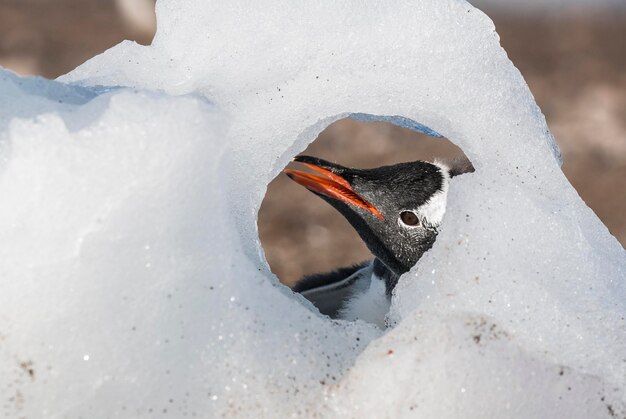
(133,282)
(125,291)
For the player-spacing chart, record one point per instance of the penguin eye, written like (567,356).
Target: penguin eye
(409,218)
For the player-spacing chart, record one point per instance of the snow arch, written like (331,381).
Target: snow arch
(270,224)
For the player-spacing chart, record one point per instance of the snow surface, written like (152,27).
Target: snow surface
(132,278)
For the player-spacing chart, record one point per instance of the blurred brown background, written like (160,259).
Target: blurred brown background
(573,58)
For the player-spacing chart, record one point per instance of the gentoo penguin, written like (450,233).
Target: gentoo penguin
(396,210)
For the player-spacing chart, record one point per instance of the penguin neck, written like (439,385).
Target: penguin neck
(387,275)
(388,262)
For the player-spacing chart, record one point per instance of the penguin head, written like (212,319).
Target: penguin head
(396,210)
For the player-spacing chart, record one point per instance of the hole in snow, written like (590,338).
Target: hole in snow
(304,235)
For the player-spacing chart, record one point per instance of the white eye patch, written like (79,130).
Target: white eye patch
(433,210)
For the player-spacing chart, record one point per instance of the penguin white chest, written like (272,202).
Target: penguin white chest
(370,304)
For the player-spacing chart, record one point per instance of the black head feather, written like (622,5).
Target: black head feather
(392,189)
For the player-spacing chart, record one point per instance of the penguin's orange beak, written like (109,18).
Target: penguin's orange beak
(330,185)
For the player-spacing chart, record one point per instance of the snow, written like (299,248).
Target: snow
(133,281)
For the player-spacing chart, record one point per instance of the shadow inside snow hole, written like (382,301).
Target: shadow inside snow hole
(302,234)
